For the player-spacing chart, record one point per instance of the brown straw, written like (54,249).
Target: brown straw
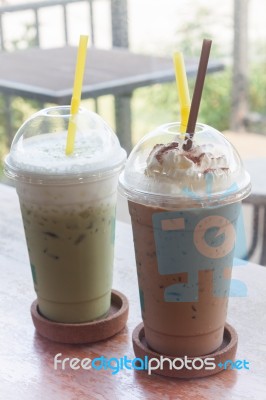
(195,103)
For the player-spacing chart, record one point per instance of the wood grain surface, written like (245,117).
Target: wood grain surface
(27,359)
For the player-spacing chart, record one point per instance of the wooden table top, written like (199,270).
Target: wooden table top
(26,359)
(47,74)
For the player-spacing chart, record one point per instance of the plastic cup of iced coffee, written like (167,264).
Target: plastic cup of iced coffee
(68,208)
(184,207)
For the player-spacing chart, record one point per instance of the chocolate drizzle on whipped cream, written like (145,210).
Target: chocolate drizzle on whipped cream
(195,158)
(164,149)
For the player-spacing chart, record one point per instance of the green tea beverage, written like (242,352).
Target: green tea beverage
(68,210)
(184,207)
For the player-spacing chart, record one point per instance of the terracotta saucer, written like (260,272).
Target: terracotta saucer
(226,351)
(88,332)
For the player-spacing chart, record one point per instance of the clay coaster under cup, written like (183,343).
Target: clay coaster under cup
(226,351)
(87,332)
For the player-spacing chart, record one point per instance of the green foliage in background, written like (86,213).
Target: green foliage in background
(20,110)
(216,100)
(257,98)
(158,104)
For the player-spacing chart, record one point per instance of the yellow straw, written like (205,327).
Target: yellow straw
(75,101)
(182,88)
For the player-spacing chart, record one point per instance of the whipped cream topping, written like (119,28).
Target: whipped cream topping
(202,169)
(162,170)
(171,161)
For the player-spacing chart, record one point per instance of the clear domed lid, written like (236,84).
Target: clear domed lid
(38,148)
(161,171)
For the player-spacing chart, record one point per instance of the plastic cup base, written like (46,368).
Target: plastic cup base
(225,352)
(86,332)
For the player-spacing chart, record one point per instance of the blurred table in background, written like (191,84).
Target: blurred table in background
(257,198)
(47,75)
